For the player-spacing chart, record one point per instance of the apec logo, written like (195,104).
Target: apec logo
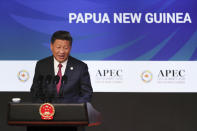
(146,76)
(23,75)
(109,76)
(109,73)
(172,73)
(172,76)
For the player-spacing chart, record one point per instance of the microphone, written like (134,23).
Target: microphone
(46,89)
(53,87)
(56,79)
(48,79)
(63,82)
(40,79)
(64,79)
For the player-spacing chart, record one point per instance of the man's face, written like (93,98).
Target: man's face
(61,50)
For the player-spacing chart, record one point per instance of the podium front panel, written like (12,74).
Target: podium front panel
(28,113)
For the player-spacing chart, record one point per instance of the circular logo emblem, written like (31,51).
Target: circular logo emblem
(47,111)
(23,75)
(146,76)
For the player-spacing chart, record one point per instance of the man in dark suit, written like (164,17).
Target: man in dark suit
(77,86)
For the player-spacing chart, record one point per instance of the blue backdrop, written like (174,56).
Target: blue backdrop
(26,27)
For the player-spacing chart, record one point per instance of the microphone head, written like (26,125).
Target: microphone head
(64,79)
(48,79)
(56,79)
(40,79)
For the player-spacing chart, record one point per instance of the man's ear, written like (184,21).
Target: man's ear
(51,46)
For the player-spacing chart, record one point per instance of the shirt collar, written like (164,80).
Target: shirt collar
(56,63)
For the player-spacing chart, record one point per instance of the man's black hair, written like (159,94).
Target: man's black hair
(62,35)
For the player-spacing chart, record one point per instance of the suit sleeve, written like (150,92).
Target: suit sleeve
(86,90)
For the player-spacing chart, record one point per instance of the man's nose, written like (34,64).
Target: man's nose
(62,50)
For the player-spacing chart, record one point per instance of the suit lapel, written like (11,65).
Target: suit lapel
(69,68)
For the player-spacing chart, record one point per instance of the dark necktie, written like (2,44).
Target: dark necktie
(60,75)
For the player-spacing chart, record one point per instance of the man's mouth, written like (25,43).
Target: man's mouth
(61,57)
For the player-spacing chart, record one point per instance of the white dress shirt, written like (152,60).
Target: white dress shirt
(56,68)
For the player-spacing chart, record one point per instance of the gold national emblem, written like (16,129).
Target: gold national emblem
(47,111)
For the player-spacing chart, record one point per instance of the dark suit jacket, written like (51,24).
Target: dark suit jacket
(78,86)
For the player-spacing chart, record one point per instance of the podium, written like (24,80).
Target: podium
(71,114)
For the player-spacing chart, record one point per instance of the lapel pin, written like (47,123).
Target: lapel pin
(71,68)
